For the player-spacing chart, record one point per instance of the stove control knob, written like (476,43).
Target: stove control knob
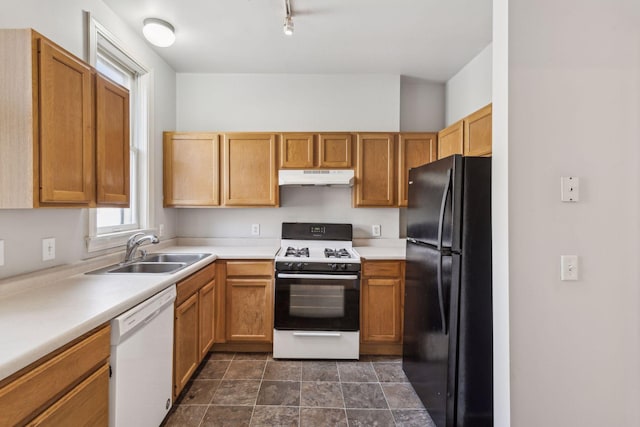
(299,266)
(343,266)
(333,267)
(288,265)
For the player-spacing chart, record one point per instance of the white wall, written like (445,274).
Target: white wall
(276,102)
(573,109)
(63,22)
(470,88)
(421,105)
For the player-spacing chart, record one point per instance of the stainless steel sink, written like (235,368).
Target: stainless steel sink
(169,257)
(160,263)
(149,267)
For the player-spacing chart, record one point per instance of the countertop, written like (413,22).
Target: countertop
(38,320)
(380,253)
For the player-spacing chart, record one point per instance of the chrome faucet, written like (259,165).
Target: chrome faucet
(135,241)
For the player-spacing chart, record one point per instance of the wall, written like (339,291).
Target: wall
(470,88)
(573,109)
(276,102)
(421,105)
(63,22)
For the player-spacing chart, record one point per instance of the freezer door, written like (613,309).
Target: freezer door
(426,326)
(434,193)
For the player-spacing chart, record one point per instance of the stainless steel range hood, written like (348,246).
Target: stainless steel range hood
(334,177)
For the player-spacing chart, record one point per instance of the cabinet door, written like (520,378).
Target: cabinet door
(191,169)
(186,351)
(112,143)
(381,310)
(207,316)
(334,150)
(66,128)
(250,173)
(375,170)
(415,149)
(450,140)
(296,150)
(249,309)
(478,133)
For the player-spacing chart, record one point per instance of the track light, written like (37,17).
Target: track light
(158,32)
(288,26)
(288,21)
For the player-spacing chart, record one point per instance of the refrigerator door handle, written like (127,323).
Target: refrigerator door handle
(443,207)
(443,318)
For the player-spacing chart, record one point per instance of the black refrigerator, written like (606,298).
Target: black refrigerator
(447,347)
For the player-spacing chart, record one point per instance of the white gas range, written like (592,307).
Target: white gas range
(317,293)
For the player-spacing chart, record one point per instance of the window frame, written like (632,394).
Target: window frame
(100,40)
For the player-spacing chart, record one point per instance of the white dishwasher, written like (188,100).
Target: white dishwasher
(140,387)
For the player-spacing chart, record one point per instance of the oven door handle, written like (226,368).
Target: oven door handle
(317,334)
(318,276)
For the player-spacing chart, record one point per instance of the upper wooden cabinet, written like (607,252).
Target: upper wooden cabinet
(334,150)
(471,136)
(296,151)
(112,143)
(250,172)
(451,140)
(47,140)
(478,132)
(375,170)
(191,169)
(414,149)
(308,150)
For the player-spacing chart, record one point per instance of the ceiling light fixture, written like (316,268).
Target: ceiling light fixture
(288,20)
(158,32)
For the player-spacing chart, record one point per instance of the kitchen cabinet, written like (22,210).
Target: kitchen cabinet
(191,169)
(375,170)
(297,151)
(381,308)
(48,137)
(414,149)
(478,132)
(451,140)
(249,170)
(112,143)
(249,301)
(68,387)
(194,324)
(334,150)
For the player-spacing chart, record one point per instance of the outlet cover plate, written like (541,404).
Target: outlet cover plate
(48,249)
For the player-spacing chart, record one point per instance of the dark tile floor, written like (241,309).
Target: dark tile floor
(252,389)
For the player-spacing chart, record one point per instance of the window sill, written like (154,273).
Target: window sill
(112,240)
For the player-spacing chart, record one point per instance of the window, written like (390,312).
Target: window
(111,227)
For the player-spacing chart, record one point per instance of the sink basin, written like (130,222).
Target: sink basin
(160,263)
(149,267)
(168,257)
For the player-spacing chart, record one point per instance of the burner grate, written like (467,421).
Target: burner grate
(336,253)
(297,252)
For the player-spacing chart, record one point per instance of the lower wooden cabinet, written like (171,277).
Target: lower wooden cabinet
(194,324)
(249,301)
(381,307)
(70,387)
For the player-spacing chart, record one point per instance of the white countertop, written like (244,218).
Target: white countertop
(381,252)
(38,320)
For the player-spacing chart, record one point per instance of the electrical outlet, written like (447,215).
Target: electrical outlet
(160,230)
(375,230)
(569,267)
(1,253)
(570,189)
(48,249)
(255,229)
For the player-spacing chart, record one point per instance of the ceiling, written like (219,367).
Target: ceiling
(429,39)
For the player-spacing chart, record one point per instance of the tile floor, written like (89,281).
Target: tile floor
(252,389)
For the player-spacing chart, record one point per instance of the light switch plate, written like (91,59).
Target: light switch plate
(1,253)
(570,189)
(48,249)
(569,267)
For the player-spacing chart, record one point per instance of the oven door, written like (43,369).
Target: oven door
(317,302)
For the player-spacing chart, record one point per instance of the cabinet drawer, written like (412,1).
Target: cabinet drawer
(382,268)
(85,405)
(24,397)
(187,287)
(249,268)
